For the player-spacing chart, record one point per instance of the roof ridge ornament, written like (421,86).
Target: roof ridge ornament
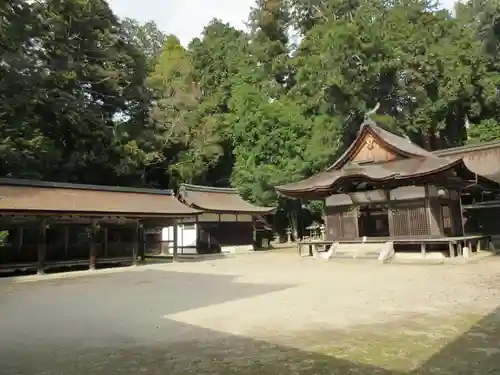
(371,112)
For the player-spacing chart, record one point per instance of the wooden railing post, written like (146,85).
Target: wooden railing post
(176,241)
(142,243)
(135,247)
(93,245)
(41,247)
(105,242)
(66,242)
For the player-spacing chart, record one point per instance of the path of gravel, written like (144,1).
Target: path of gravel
(263,313)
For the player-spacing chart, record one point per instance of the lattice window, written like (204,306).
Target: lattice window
(410,221)
(400,222)
(418,221)
(349,225)
(334,226)
(446,215)
(341,226)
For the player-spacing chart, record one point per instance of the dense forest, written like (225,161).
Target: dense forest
(88,97)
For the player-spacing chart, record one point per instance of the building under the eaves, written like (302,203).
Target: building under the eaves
(481,211)
(386,190)
(228,224)
(46,225)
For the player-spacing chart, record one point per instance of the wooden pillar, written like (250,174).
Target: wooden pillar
(182,242)
(66,242)
(142,243)
(423,249)
(356,212)
(20,235)
(42,247)
(197,242)
(466,251)
(452,249)
(254,232)
(459,249)
(93,245)
(176,241)
(105,242)
(209,239)
(135,248)
(428,212)
(390,217)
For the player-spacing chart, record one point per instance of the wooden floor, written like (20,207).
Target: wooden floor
(454,246)
(409,240)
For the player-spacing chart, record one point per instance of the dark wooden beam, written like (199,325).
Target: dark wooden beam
(105,242)
(20,235)
(198,233)
(31,219)
(135,247)
(142,243)
(176,241)
(93,245)
(41,247)
(66,242)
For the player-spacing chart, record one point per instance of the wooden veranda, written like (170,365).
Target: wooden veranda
(386,188)
(47,225)
(228,223)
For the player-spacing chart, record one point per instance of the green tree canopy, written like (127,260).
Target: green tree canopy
(86,97)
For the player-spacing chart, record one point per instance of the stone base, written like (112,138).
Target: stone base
(382,252)
(240,249)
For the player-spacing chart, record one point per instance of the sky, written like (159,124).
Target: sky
(187,18)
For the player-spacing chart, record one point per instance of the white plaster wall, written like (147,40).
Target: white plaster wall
(186,236)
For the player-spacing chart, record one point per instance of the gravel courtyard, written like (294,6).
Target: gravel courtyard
(263,313)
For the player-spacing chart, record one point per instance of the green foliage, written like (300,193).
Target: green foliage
(4,235)
(486,130)
(68,75)
(147,37)
(85,97)
(176,115)
(316,207)
(271,140)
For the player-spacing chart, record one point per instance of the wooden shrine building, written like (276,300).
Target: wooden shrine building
(228,222)
(46,224)
(384,187)
(482,209)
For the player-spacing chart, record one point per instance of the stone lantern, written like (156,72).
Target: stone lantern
(288,235)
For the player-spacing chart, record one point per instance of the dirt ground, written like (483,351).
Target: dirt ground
(263,313)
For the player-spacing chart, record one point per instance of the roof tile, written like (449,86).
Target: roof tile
(38,196)
(218,200)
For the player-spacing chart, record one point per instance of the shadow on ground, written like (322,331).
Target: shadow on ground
(186,258)
(475,352)
(113,324)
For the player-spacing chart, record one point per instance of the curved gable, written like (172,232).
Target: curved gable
(375,145)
